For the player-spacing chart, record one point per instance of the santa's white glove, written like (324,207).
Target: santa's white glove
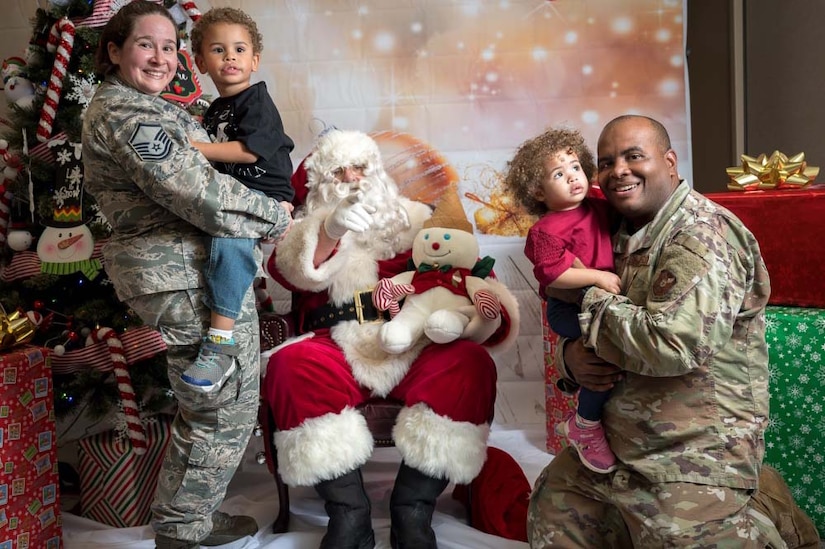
(349,215)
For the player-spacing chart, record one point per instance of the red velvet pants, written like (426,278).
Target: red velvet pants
(311,378)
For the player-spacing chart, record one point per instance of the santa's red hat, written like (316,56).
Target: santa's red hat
(498,497)
(299,183)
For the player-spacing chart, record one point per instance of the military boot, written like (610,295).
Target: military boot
(348,507)
(411,509)
(225,529)
(163,542)
(228,528)
(775,501)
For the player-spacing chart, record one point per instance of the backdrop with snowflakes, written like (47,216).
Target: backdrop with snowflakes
(470,80)
(795,438)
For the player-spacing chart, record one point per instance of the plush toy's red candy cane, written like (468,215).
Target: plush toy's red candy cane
(61,38)
(134,428)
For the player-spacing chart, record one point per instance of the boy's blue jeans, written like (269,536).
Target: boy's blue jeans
(229,274)
(563,318)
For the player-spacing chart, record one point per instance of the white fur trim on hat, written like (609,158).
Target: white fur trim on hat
(440,447)
(323,448)
(341,148)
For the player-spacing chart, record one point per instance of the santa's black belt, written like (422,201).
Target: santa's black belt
(360,309)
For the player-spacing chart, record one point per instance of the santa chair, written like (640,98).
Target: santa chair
(380,414)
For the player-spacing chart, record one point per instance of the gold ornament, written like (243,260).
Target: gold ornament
(15,329)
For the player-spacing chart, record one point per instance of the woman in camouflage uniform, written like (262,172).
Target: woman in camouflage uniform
(164,200)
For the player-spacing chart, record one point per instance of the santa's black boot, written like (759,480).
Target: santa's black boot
(348,507)
(411,509)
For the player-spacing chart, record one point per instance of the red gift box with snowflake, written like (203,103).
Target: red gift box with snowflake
(795,439)
(29,489)
(557,403)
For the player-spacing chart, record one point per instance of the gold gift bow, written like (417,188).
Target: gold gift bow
(776,171)
(15,329)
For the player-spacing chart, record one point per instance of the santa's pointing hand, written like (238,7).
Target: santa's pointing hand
(349,215)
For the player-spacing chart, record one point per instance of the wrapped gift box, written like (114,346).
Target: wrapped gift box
(557,404)
(788,226)
(795,439)
(29,485)
(117,484)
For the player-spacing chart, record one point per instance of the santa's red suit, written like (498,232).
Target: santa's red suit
(314,385)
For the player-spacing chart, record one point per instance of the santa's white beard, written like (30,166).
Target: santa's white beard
(379,191)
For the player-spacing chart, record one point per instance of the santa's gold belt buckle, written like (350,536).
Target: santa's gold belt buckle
(359,308)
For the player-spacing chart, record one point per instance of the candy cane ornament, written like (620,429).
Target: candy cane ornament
(134,427)
(5,212)
(61,39)
(191,9)
(5,189)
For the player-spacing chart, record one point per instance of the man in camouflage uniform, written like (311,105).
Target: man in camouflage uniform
(164,200)
(689,403)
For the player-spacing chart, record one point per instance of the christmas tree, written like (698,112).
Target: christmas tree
(53,289)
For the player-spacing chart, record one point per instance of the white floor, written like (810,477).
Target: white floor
(252,492)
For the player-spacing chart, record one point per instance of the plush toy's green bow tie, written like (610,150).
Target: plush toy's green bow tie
(426,267)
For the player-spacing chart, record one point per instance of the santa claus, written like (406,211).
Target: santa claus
(354,230)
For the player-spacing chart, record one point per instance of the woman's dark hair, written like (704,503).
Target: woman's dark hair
(120,26)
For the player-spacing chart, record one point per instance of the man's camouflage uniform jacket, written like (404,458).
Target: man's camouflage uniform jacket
(689,332)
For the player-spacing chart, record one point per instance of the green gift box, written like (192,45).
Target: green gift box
(795,439)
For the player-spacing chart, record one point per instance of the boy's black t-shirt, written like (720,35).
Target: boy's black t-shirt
(252,117)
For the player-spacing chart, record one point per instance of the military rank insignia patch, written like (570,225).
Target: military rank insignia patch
(151,143)
(663,284)
(682,266)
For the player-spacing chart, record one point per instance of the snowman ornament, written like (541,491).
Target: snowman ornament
(20,240)
(18,89)
(66,243)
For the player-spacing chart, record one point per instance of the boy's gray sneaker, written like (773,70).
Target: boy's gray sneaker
(214,365)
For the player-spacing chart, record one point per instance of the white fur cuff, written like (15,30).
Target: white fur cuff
(440,447)
(323,448)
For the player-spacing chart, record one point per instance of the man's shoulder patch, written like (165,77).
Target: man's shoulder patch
(680,268)
(664,283)
(151,143)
